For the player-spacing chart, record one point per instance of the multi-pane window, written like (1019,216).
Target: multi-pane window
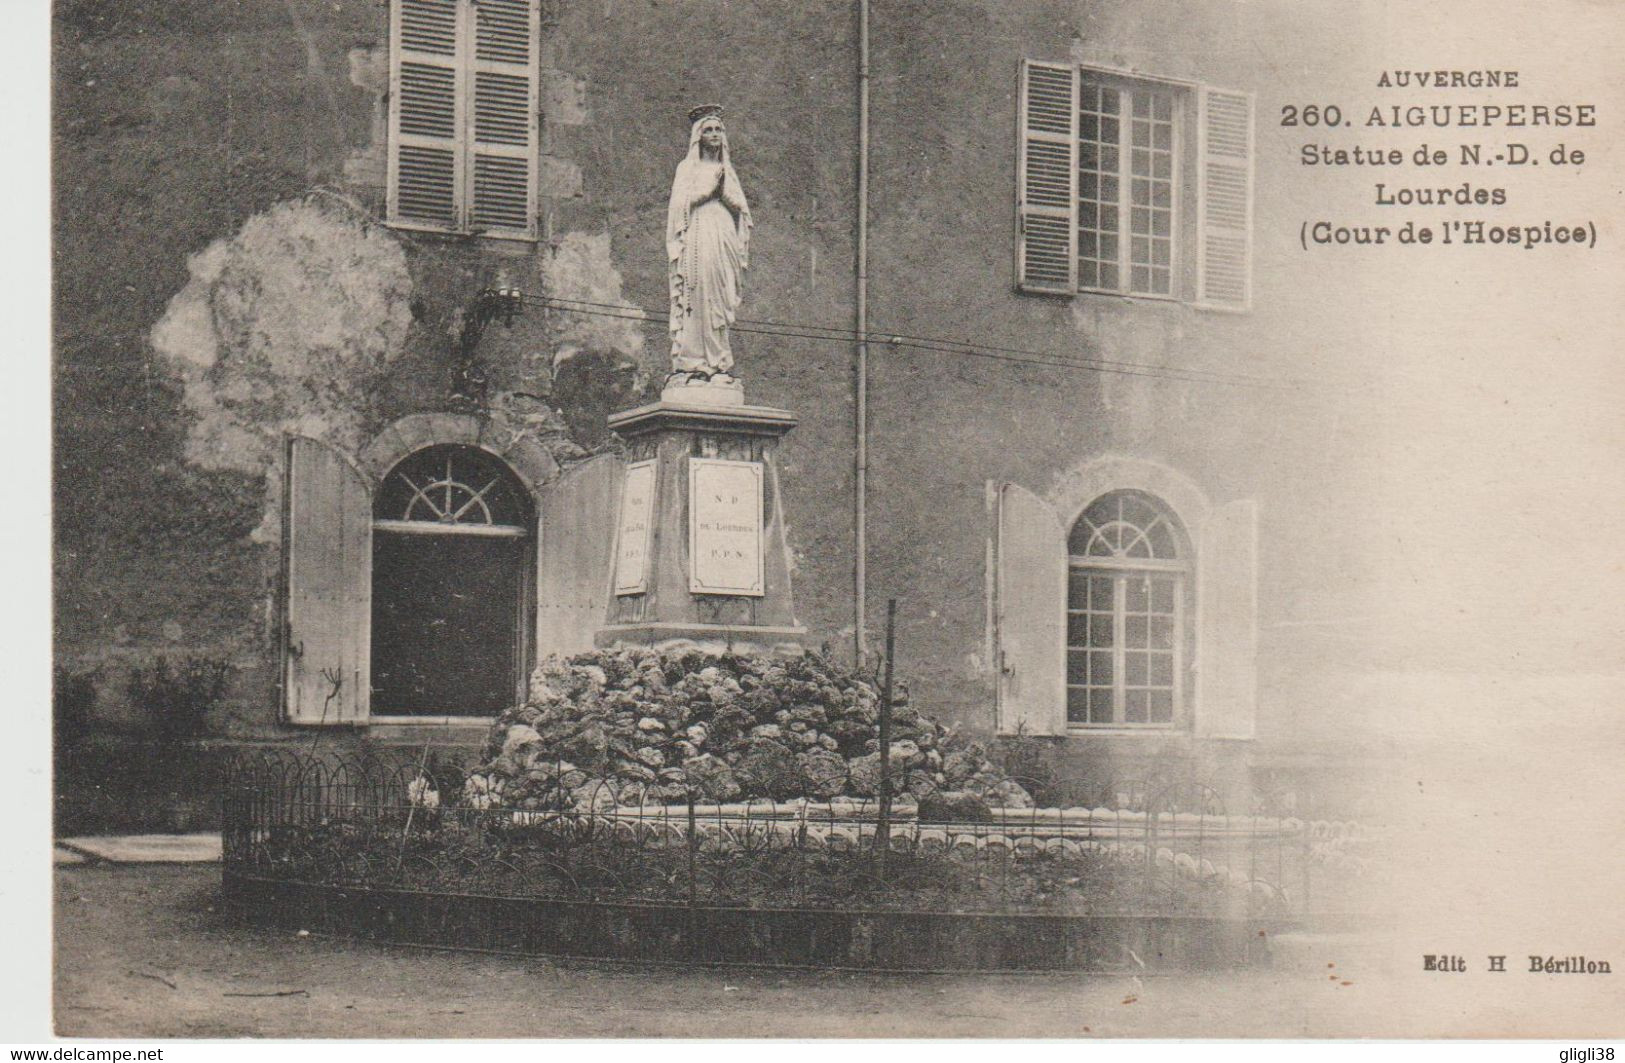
(1126,587)
(1133,186)
(1127,144)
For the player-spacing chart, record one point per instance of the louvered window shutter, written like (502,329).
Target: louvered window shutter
(327,536)
(1046,179)
(425,173)
(1224,220)
(1029,553)
(463,115)
(504,111)
(1227,636)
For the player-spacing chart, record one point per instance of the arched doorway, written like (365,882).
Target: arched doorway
(453,549)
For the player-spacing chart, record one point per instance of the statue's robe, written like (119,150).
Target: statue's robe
(708,249)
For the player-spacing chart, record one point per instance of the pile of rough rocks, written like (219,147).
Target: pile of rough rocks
(665,727)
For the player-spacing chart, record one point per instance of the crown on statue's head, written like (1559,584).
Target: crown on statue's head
(704,111)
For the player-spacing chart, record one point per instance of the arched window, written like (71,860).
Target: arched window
(453,535)
(1127,606)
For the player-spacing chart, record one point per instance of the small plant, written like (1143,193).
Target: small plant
(1030,758)
(73,706)
(178,695)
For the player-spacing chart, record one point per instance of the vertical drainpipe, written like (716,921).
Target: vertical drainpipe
(860,515)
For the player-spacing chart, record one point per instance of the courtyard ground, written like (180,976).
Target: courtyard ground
(143,951)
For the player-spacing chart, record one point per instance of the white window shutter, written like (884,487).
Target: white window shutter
(505,109)
(1029,614)
(1225,199)
(1047,179)
(425,103)
(327,538)
(579,515)
(1227,633)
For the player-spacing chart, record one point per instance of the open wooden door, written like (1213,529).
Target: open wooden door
(327,591)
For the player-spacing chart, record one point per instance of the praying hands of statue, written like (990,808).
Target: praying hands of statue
(715,191)
(720,193)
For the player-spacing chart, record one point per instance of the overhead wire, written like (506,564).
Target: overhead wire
(832,334)
(1012,355)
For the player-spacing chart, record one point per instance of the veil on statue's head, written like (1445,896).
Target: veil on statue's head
(696,118)
(695,178)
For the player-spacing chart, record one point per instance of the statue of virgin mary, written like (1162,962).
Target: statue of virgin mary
(707,250)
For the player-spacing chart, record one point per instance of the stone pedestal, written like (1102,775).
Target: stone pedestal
(700,556)
(706,393)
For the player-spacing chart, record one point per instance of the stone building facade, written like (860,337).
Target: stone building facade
(1106,482)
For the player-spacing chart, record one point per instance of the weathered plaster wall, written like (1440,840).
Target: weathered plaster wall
(190,135)
(943,237)
(287,327)
(174,124)
(941,240)
(624,76)
(223,279)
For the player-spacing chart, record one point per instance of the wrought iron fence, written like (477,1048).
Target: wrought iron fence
(1169,847)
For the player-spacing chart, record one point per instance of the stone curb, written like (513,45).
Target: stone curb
(145,848)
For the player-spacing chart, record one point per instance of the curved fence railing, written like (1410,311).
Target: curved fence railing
(1174,850)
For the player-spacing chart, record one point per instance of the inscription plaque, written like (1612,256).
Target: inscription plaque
(725,526)
(632,541)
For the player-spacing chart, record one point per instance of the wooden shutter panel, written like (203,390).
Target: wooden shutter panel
(1225,199)
(505,109)
(1029,614)
(576,545)
(1227,632)
(425,175)
(327,537)
(1046,179)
